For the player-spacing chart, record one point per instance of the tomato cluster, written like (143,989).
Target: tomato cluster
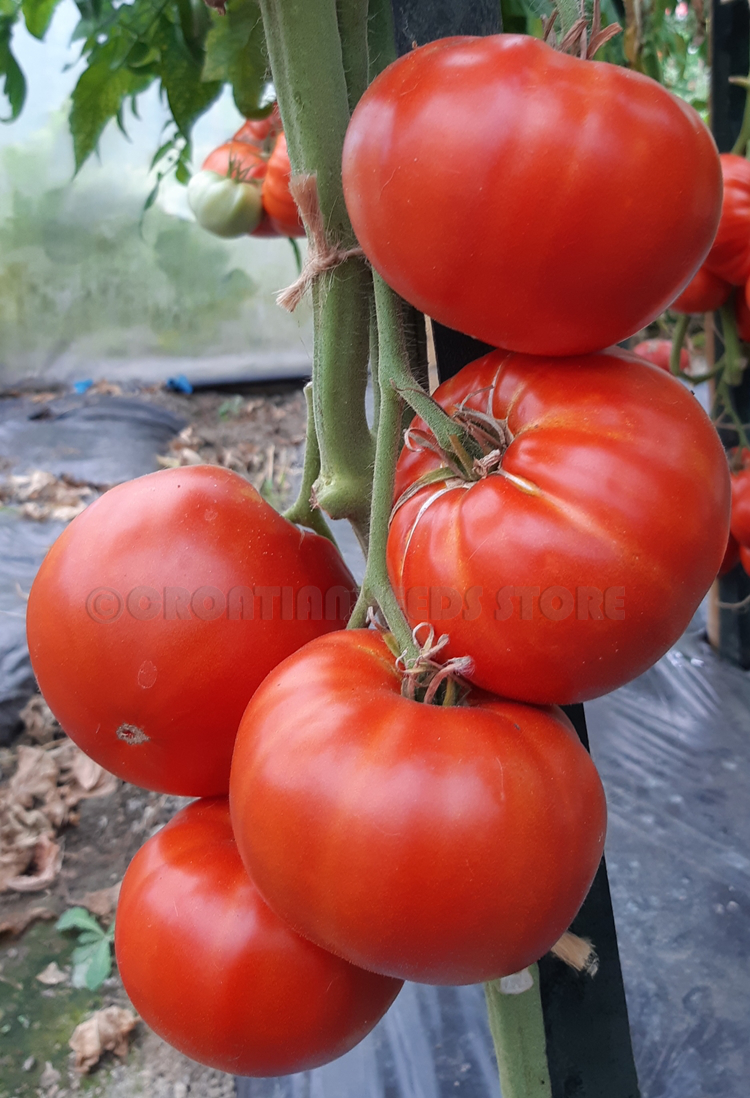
(243,186)
(727,264)
(393,816)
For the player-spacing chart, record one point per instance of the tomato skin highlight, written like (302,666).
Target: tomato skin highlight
(485,180)
(740,523)
(215,973)
(615,481)
(442,844)
(705,293)
(152,688)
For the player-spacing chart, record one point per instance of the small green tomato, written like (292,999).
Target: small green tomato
(225,206)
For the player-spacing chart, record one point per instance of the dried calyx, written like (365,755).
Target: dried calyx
(426,680)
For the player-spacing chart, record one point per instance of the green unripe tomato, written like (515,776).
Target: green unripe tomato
(225,206)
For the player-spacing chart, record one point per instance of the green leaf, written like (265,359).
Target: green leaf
(98,95)
(90,937)
(236,54)
(99,966)
(37,15)
(13,80)
(83,954)
(78,918)
(188,96)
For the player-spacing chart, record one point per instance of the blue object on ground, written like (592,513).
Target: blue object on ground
(179,384)
(82,386)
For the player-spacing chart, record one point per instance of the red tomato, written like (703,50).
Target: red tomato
(576,563)
(531,199)
(215,973)
(705,293)
(442,844)
(236,158)
(659,352)
(261,131)
(277,201)
(731,556)
(141,628)
(730,253)
(740,522)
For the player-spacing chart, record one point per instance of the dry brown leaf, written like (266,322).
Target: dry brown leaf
(39,722)
(50,1076)
(42,495)
(45,865)
(51,975)
(23,919)
(106,1031)
(36,803)
(103,902)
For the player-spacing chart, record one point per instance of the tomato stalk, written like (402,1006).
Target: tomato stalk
(307,62)
(302,510)
(734,361)
(319,58)
(514,1008)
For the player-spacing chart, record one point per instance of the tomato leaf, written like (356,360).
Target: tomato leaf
(78,918)
(236,54)
(98,96)
(37,15)
(99,966)
(13,80)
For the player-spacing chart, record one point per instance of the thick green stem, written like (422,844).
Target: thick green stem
(569,12)
(734,361)
(308,52)
(517,1027)
(353,33)
(724,397)
(743,138)
(302,511)
(393,346)
(381,36)
(678,339)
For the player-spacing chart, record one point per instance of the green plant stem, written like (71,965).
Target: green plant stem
(724,396)
(353,33)
(678,339)
(302,511)
(569,12)
(307,63)
(394,348)
(734,362)
(743,138)
(517,1027)
(381,36)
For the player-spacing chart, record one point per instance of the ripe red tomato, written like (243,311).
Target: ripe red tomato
(705,293)
(277,201)
(261,131)
(659,352)
(442,844)
(730,253)
(745,558)
(531,199)
(576,563)
(236,158)
(160,609)
(215,973)
(740,522)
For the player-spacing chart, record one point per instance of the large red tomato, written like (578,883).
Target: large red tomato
(741,505)
(531,199)
(730,253)
(442,844)
(161,608)
(215,973)
(579,559)
(703,294)
(277,200)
